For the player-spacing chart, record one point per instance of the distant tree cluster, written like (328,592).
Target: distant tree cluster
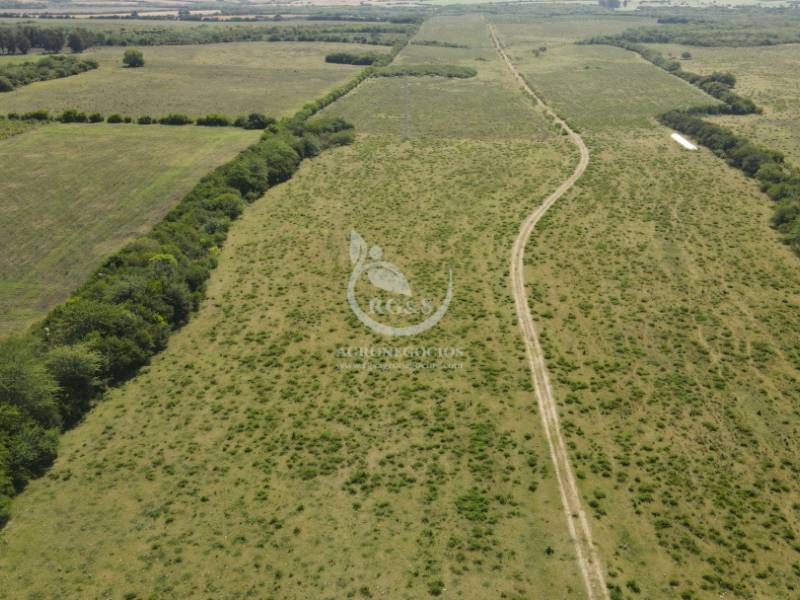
(123,315)
(21,38)
(16,75)
(354,58)
(455,71)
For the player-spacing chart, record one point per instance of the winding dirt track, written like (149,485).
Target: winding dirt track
(588,559)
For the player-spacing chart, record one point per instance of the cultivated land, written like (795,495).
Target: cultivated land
(767,75)
(105,184)
(249,456)
(669,317)
(275,78)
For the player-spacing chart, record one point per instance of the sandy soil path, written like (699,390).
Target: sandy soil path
(588,559)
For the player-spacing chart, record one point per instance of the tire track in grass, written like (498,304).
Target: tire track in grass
(588,558)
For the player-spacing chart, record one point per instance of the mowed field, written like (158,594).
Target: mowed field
(767,75)
(237,78)
(74,194)
(254,458)
(670,317)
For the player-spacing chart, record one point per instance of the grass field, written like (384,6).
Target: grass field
(601,87)
(669,311)
(767,75)
(104,185)
(250,461)
(237,78)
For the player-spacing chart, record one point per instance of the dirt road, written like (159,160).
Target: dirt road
(588,559)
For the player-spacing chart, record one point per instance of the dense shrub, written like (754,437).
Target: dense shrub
(15,75)
(95,118)
(214,121)
(145,120)
(175,120)
(115,118)
(355,58)
(133,58)
(73,116)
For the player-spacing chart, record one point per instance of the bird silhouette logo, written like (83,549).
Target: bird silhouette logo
(388,277)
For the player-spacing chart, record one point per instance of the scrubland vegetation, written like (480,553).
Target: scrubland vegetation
(659,287)
(402,483)
(16,74)
(214,437)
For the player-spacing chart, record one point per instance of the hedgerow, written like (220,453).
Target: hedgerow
(426,71)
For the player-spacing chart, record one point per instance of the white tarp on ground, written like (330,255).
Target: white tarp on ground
(683,141)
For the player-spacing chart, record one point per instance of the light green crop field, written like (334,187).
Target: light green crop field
(669,312)
(237,78)
(767,75)
(250,460)
(73,194)
(601,87)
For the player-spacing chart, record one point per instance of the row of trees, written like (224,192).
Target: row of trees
(71,115)
(124,314)
(16,75)
(456,71)
(21,38)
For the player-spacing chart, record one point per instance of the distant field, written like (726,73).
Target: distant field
(248,461)
(535,30)
(766,74)
(669,312)
(271,77)
(601,87)
(73,194)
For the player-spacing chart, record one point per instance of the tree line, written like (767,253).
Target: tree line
(455,71)
(71,115)
(16,75)
(20,39)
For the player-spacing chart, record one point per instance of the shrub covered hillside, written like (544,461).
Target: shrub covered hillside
(124,314)
(50,67)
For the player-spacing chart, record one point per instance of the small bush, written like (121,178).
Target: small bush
(214,121)
(115,118)
(95,118)
(145,120)
(133,58)
(175,120)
